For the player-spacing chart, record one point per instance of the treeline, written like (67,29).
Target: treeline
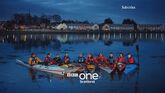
(125,21)
(27,19)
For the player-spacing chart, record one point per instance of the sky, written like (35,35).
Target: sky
(147,11)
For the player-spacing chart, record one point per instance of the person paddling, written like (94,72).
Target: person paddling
(33,59)
(131,59)
(57,60)
(66,58)
(90,59)
(48,59)
(121,58)
(120,62)
(81,58)
(111,58)
(101,59)
(90,63)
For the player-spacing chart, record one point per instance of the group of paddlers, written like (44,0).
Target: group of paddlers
(111,61)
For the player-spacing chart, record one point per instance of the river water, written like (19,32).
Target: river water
(149,78)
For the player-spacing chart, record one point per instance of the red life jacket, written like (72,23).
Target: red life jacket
(90,59)
(131,60)
(101,59)
(120,60)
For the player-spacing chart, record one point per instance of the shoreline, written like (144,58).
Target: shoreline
(75,32)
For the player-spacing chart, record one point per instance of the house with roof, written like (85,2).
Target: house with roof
(117,27)
(77,26)
(122,27)
(150,27)
(95,27)
(106,27)
(62,26)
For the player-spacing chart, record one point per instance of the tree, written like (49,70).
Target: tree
(56,18)
(85,22)
(130,21)
(9,25)
(45,20)
(108,21)
(22,19)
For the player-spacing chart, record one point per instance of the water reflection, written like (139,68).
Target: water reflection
(113,76)
(26,41)
(34,75)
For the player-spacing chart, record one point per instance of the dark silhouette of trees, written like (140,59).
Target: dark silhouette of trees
(28,19)
(44,20)
(130,21)
(56,19)
(108,21)
(22,19)
(75,21)
(9,25)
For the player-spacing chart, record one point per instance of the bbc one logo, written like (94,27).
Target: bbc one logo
(85,77)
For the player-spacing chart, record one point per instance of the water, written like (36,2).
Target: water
(17,79)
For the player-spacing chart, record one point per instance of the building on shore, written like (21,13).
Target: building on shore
(95,27)
(149,27)
(127,27)
(77,26)
(118,27)
(106,27)
(62,26)
(162,27)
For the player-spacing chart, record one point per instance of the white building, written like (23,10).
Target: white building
(127,27)
(121,27)
(151,27)
(76,26)
(95,27)
(62,26)
(80,26)
(106,27)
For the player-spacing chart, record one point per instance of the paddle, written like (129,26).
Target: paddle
(136,83)
(137,50)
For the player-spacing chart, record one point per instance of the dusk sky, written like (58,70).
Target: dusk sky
(147,11)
